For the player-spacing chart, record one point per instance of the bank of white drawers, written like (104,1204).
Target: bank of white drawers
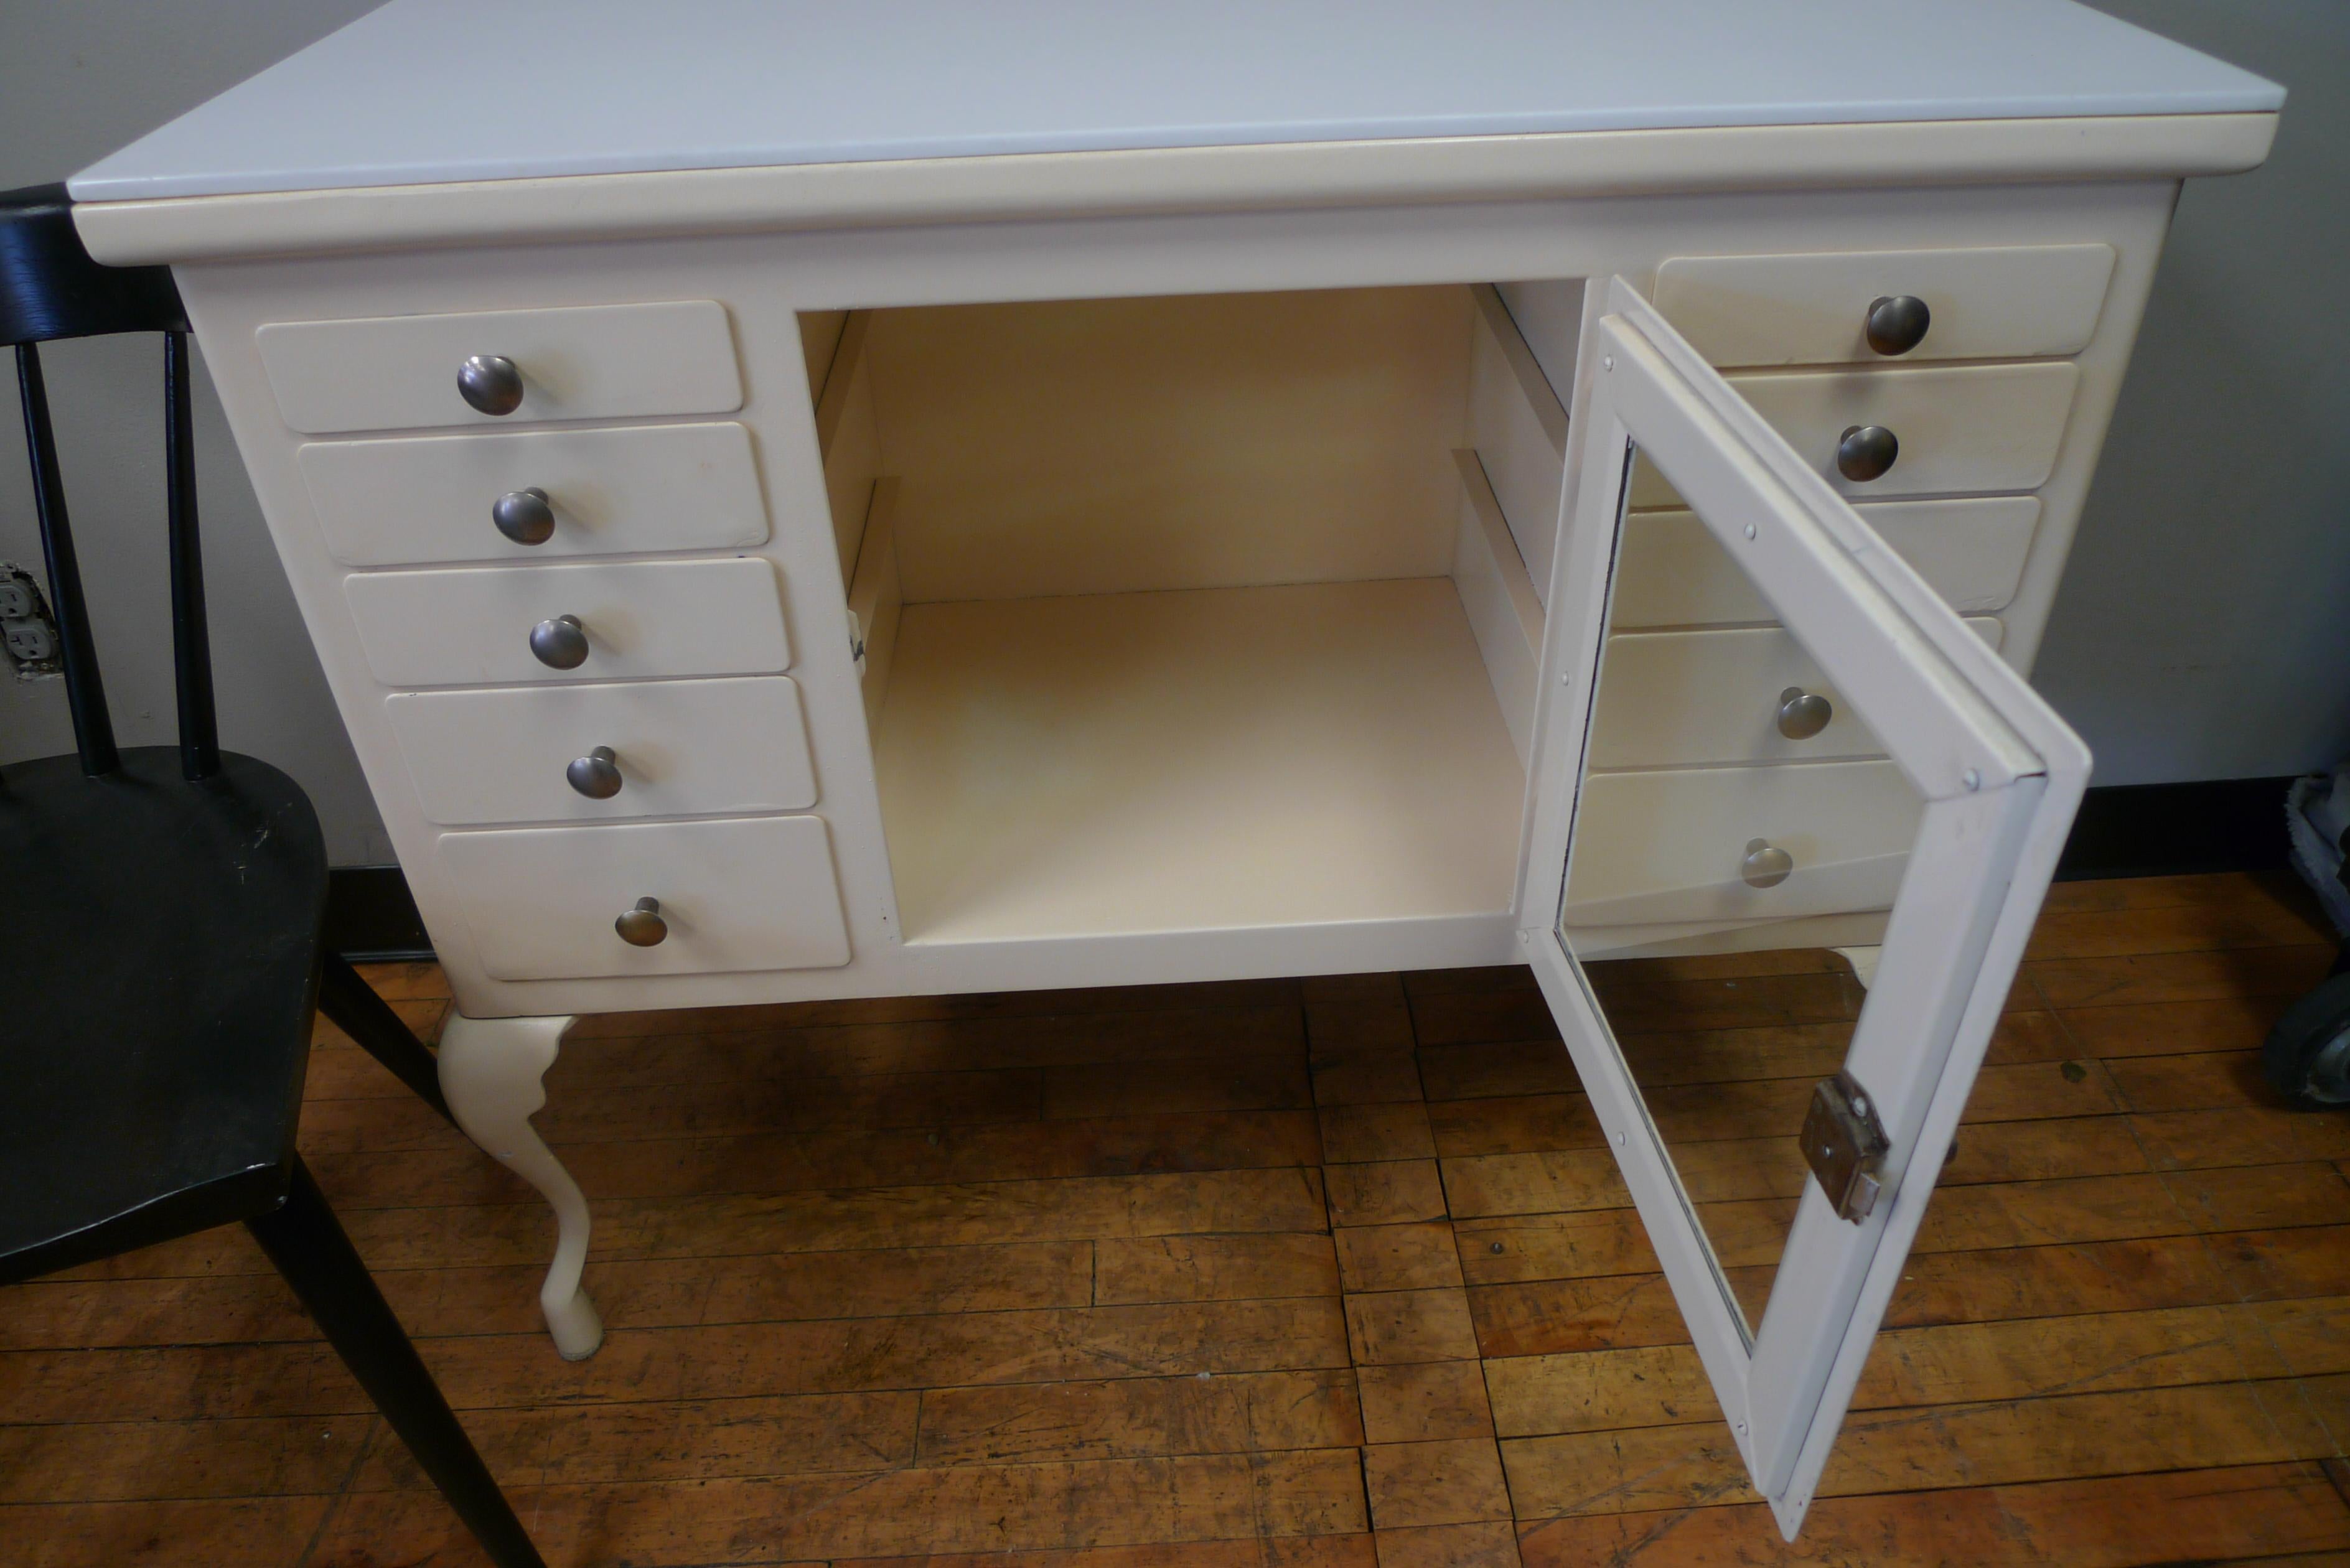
(681,695)
(1692,767)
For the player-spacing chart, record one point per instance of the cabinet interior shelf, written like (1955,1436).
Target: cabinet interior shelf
(1203,759)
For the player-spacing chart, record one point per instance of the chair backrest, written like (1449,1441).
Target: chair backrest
(51,288)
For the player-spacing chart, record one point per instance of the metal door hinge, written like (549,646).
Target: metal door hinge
(1845,1145)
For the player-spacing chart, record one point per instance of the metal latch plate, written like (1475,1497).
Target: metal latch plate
(1845,1145)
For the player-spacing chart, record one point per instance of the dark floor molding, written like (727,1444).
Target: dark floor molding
(2124,830)
(370,917)
(2176,829)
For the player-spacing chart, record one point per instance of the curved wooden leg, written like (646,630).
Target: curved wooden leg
(490,1072)
(1863,963)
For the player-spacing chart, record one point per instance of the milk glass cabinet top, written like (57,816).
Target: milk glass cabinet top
(800,501)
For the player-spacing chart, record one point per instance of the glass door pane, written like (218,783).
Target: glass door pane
(1738,821)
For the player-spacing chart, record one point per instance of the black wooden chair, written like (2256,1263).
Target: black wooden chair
(163,956)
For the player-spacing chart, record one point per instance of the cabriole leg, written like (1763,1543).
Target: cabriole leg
(490,1071)
(1863,963)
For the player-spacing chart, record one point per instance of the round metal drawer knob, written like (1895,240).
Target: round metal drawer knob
(642,927)
(1766,865)
(1801,714)
(524,516)
(560,643)
(490,383)
(595,776)
(1867,451)
(1897,323)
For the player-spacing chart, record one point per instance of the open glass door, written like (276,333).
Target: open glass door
(1712,778)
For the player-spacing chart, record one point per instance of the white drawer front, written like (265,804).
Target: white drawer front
(472,627)
(1667,698)
(1963,429)
(746,894)
(1653,847)
(1672,572)
(683,748)
(2019,302)
(580,362)
(417,499)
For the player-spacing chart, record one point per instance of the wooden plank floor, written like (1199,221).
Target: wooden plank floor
(1300,1274)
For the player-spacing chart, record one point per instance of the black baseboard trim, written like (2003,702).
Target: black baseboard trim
(370,917)
(2177,829)
(2123,830)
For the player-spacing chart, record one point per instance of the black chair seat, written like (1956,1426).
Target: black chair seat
(162,950)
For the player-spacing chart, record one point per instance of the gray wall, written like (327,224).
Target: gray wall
(2203,628)
(2200,632)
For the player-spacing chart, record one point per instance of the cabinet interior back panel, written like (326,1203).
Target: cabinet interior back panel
(1118,445)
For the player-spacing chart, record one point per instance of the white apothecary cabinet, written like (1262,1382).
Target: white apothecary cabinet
(944,498)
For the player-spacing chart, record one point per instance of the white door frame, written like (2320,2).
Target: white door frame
(2000,776)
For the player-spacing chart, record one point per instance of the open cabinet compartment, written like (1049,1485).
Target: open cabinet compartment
(1222,612)
(1195,613)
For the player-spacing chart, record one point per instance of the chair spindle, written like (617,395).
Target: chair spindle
(85,693)
(191,658)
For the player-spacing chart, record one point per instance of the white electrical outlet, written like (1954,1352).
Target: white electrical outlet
(28,641)
(28,633)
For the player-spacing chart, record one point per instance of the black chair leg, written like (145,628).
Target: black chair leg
(307,1242)
(368,1019)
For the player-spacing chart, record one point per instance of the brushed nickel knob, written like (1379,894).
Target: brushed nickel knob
(595,776)
(1801,714)
(560,643)
(524,516)
(1897,323)
(1867,451)
(642,927)
(490,383)
(1766,865)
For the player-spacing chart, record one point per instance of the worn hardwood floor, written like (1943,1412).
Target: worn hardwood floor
(1295,1274)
